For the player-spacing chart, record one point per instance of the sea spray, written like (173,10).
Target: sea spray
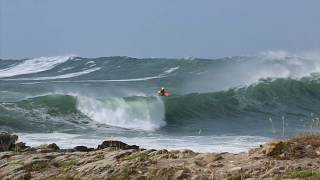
(145,113)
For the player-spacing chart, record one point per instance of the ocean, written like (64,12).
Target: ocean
(226,104)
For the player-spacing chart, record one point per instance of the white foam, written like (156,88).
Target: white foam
(30,83)
(165,74)
(172,70)
(90,62)
(142,114)
(278,55)
(65,69)
(33,66)
(64,76)
(233,144)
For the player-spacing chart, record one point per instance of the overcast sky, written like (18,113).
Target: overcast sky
(156,28)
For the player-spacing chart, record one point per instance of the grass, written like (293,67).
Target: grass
(99,157)
(307,139)
(234,177)
(141,156)
(125,174)
(21,162)
(306,174)
(67,166)
(62,177)
(294,146)
(43,146)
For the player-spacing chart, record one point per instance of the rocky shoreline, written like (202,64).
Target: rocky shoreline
(296,158)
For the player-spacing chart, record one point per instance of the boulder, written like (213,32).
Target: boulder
(83,148)
(317,151)
(116,144)
(21,146)
(35,164)
(6,154)
(273,148)
(200,177)
(22,174)
(235,170)
(53,146)
(182,174)
(10,169)
(7,141)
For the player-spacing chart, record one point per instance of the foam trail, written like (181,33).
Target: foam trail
(172,69)
(70,75)
(88,80)
(33,66)
(119,80)
(64,76)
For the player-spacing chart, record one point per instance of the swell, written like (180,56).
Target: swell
(236,109)
(268,97)
(195,75)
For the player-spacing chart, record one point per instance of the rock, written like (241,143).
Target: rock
(235,170)
(21,146)
(209,157)
(182,174)
(7,141)
(273,148)
(45,150)
(116,144)
(284,156)
(317,151)
(6,154)
(215,165)
(148,151)
(200,163)
(200,177)
(166,173)
(82,148)
(127,153)
(20,175)
(10,169)
(53,146)
(35,164)
(187,153)
(140,178)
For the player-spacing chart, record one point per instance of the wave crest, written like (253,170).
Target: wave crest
(32,66)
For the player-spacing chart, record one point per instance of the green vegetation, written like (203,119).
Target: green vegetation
(308,174)
(141,156)
(43,146)
(234,177)
(99,157)
(21,162)
(67,166)
(124,175)
(62,177)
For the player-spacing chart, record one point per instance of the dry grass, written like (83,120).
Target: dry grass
(312,139)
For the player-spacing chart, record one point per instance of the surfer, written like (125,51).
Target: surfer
(163,92)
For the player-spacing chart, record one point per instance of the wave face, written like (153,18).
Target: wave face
(235,95)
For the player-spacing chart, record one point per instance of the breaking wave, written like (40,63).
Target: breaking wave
(215,95)
(32,66)
(254,105)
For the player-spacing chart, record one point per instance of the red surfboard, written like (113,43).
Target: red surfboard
(166,94)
